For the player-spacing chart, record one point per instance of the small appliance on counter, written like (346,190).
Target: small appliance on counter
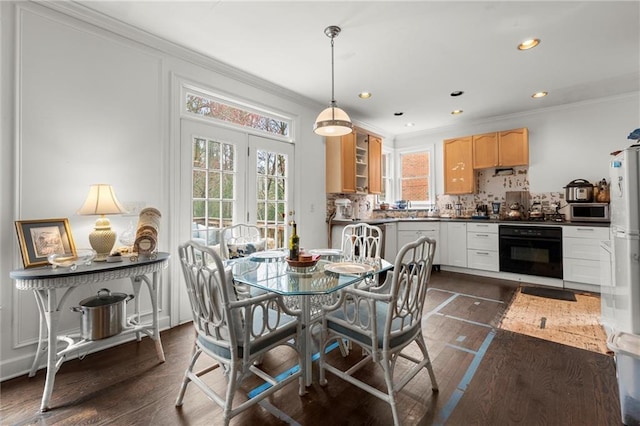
(495,210)
(588,212)
(579,191)
(344,210)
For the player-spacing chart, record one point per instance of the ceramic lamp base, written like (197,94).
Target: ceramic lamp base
(102,241)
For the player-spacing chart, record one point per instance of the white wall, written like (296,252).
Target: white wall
(565,143)
(83,104)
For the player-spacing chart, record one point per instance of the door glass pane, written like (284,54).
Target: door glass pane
(271,189)
(262,188)
(199,183)
(214,155)
(199,210)
(212,188)
(271,168)
(228,154)
(199,153)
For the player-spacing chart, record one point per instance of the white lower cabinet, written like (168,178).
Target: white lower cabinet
(482,246)
(390,243)
(411,231)
(581,253)
(456,244)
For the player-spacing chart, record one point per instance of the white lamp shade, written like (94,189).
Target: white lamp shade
(333,121)
(101,200)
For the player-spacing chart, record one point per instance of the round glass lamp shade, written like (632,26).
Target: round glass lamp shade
(333,121)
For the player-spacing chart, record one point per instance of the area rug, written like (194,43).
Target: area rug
(569,323)
(550,293)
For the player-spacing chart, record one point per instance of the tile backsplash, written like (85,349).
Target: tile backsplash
(492,186)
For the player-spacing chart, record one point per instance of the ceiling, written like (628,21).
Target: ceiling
(412,55)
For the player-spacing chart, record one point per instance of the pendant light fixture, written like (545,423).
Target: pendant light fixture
(332,121)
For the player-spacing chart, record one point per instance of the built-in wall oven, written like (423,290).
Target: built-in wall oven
(531,250)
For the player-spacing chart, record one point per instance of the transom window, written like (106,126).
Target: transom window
(230,112)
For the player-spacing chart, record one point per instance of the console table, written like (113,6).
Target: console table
(46,282)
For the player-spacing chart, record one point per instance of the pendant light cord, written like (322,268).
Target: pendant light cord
(333,98)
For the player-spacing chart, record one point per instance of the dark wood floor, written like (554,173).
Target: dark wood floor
(487,376)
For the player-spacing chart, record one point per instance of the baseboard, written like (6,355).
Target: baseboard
(529,279)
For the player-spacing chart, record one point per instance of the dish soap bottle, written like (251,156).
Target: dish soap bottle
(294,243)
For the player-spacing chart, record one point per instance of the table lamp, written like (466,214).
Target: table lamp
(101,201)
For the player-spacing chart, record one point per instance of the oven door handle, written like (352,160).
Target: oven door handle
(550,240)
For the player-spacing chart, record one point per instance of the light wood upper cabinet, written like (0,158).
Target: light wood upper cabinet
(340,173)
(354,163)
(485,150)
(375,165)
(459,177)
(501,149)
(514,147)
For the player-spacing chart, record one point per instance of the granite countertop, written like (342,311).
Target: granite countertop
(374,221)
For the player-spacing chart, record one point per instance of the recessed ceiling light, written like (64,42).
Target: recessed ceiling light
(539,95)
(456,112)
(364,95)
(410,124)
(398,114)
(457,93)
(529,44)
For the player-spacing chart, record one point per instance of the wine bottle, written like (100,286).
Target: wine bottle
(294,243)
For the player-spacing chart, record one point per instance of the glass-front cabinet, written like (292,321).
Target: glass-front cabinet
(354,163)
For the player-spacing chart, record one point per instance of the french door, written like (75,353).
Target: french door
(228,177)
(269,187)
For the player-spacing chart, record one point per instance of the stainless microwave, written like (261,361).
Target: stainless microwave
(589,212)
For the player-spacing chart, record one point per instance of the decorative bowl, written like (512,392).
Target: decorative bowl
(303,263)
(71,260)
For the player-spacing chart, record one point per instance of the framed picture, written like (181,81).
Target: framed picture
(40,238)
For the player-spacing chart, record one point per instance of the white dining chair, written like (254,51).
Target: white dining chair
(234,333)
(241,240)
(361,240)
(384,321)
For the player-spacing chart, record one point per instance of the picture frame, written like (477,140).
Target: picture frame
(40,238)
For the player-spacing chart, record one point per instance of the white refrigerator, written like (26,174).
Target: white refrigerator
(625,241)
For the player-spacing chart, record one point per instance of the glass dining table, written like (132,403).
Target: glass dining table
(305,288)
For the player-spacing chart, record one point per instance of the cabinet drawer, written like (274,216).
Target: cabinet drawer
(581,271)
(483,259)
(597,233)
(581,248)
(418,226)
(482,227)
(482,241)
